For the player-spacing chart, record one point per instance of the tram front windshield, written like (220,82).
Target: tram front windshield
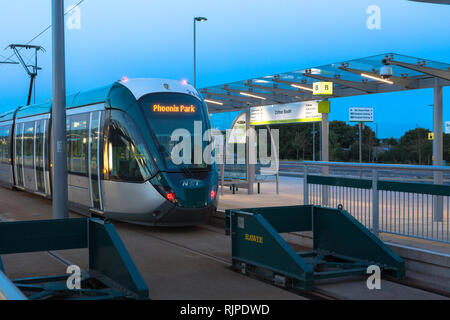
(174,119)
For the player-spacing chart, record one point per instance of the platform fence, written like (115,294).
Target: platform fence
(398,199)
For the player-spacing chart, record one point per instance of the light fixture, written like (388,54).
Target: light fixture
(213,102)
(376,78)
(301,87)
(252,95)
(261,81)
(200,19)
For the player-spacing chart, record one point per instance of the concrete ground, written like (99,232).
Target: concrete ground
(179,263)
(168,259)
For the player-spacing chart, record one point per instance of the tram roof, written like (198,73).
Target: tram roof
(72,101)
(350,78)
(137,87)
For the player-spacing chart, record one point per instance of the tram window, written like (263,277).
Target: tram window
(77,141)
(129,159)
(4,144)
(28,144)
(18,145)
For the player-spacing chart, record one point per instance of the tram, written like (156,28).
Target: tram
(119,143)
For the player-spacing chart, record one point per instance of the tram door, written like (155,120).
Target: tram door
(83,154)
(18,152)
(94,156)
(41,156)
(77,155)
(30,155)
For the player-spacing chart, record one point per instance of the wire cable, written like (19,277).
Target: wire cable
(45,30)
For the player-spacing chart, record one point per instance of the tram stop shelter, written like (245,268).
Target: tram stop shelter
(376,74)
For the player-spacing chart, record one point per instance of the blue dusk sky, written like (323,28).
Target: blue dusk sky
(242,39)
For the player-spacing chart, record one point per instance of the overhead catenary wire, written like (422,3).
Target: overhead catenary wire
(45,30)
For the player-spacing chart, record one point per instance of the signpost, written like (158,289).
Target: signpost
(360,115)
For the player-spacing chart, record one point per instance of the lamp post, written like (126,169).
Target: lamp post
(199,19)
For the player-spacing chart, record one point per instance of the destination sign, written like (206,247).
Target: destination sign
(306,111)
(360,114)
(174,108)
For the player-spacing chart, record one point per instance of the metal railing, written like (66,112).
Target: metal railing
(8,291)
(396,199)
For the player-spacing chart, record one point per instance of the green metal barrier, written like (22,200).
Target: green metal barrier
(112,273)
(342,246)
(412,187)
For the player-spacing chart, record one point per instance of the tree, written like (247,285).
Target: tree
(413,148)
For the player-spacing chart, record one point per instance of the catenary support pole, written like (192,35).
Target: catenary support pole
(59,196)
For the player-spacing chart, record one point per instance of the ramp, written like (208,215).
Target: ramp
(342,245)
(112,273)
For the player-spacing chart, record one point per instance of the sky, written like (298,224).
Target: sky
(242,39)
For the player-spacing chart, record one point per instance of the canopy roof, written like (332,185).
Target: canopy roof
(350,78)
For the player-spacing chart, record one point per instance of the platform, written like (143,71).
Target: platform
(183,263)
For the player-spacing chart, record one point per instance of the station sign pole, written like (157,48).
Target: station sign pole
(60,189)
(438,148)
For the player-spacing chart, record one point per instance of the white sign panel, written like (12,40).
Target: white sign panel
(305,111)
(447,126)
(359,114)
(238,132)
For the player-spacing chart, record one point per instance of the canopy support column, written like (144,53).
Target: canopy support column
(437,148)
(325,154)
(250,153)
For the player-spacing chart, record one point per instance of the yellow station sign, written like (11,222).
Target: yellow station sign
(322,88)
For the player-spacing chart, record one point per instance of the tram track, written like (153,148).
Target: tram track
(312,295)
(316,294)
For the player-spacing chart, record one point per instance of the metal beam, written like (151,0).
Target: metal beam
(291,83)
(290,93)
(8,62)
(306,91)
(269,97)
(438,73)
(231,97)
(400,81)
(366,87)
